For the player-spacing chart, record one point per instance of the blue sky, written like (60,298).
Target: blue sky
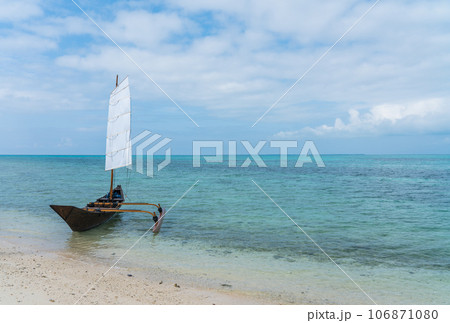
(384,88)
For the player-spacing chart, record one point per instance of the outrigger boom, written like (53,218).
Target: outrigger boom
(102,207)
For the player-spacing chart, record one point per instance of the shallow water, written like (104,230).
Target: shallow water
(383,219)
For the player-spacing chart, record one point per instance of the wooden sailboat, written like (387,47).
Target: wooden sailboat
(118,154)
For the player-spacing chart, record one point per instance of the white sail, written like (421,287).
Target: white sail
(118,144)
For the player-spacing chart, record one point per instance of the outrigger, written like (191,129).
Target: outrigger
(118,154)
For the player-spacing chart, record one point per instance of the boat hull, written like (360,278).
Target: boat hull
(80,219)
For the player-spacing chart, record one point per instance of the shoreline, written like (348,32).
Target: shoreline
(37,277)
(34,272)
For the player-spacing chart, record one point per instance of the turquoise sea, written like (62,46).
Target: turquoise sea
(384,219)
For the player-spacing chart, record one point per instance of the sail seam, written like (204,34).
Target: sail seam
(117,102)
(118,116)
(116,134)
(116,151)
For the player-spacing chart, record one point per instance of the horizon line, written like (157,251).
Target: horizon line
(208,155)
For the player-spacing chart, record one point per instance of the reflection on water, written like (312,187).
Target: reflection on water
(88,242)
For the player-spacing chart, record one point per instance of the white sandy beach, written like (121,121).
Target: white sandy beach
(31,276)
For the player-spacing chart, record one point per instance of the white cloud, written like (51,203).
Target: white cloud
(305,20)
(19,10)
(234,59)
(144,29)
(56,27)
(428,116)
(256,49)
(24,43)
(231,60)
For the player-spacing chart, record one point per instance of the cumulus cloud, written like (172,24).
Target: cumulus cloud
(19,42)
(19,10)
(145,29)
(234,59)
(57,27)
(428,116)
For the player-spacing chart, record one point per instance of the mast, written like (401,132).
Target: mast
(112,170)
